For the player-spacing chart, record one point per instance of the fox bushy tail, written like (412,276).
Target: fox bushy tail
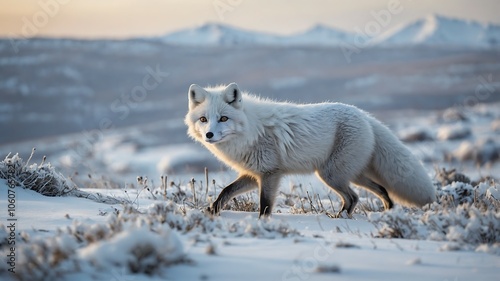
(398,170)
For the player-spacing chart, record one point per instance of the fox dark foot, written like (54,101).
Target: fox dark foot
(343,215)
(213,209)
(266,213)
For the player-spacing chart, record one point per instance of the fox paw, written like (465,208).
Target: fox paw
(343,215)
(210,210)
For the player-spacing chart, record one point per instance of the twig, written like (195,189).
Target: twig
(43,160)
(215,187)
(320,204)
(206,182)
(31,155)
(331,204)
(164,186)
(311,203)
(192,181)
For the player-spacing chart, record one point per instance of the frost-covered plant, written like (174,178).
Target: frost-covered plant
(469,216)
(264,228)
(199,195)
(44,179)
(396,223)
(482,152)
(301,201)
(138,249)
(181,219)
(244,203)
(194,220)
(47,259)
(136,246)
(446,177)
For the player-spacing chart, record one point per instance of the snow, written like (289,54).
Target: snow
(211,34)
(493,192)
(414,134)
(42,214)
(495,125)
(160,239)
(481,152)
(127,249)
(432,30)
(437,30)
(452,132)
(319,35)
(156,230)
(186,157)
(238,238)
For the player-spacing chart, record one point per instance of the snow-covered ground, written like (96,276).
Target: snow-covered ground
(157,229)
(235,245)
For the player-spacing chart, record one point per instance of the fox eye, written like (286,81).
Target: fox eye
(223,118)
(203,119)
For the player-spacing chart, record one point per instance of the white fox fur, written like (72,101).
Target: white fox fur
(264,140)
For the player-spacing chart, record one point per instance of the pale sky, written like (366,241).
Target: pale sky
(130,18)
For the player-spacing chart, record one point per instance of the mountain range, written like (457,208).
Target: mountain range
(432,30)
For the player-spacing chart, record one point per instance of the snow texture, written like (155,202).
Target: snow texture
(162,231)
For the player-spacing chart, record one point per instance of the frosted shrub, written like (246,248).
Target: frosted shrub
(194,220)
(183,220)
(44,179)
(264,228)
(469,216)
(46,259)
(138,250)
(396,223)
(453,132)
(134,242)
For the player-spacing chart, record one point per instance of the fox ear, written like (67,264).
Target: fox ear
(196,95)
(232,95)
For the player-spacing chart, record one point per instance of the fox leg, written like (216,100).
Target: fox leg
(242,184)
(341,187)
(377,189)
(268,187)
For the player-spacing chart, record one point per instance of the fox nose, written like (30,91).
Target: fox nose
(210,135)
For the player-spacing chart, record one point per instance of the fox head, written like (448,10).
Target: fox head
(215,114)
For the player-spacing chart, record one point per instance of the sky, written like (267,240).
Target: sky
(132,18)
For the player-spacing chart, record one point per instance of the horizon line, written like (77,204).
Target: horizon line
(225,24)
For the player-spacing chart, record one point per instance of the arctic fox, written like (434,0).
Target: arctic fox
(265,140)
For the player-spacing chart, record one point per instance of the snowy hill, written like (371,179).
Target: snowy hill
(218,34)
(435,30)
(319,35)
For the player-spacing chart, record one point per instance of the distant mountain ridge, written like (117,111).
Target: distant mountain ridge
(432,30)
(219,34)
(440,30)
